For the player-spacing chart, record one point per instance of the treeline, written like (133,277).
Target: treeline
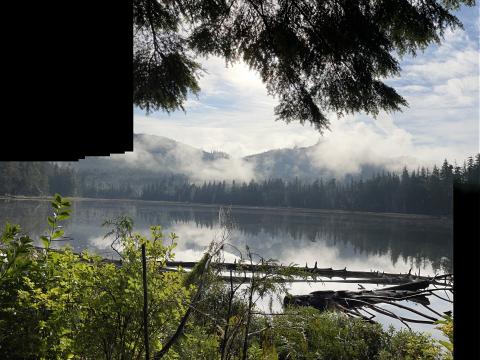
(420,191)
(36,178)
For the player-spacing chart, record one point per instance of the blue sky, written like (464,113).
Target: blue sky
(233,112)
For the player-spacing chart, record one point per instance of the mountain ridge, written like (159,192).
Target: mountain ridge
(155,154)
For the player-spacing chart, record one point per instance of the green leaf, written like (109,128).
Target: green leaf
(51,221)
(64,215)
(55,205)
(26,240)
(45,241)
(447,344)
(58,233)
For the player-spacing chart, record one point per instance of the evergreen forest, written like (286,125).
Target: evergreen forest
(417,191)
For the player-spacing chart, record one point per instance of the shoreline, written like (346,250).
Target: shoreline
(242,207)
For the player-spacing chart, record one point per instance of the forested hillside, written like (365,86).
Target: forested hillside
(418,191)
(36,178)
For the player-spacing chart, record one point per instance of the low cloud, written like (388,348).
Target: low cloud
(353,143)
(163,155)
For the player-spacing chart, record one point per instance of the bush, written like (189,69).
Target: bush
(446,326)
(59,305)
(307,333)
(410,345)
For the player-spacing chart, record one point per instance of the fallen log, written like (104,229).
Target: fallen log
(330,299)
(374,281)
(307,274)
(312,272)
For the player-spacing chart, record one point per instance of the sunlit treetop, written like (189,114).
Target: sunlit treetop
(314,56)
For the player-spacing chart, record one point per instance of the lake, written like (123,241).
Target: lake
(358,241)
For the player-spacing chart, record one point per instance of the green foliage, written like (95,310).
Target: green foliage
(61,212)
(446,326)
(308,334)
(32,292)
(409,345)
(116,298)
(263,347)
(198,343)
(58,305)
(15,253)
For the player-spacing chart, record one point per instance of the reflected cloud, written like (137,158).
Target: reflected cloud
(357,241)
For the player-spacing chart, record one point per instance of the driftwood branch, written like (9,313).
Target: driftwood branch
(350,302)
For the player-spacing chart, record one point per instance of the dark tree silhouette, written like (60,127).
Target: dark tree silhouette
(315,56)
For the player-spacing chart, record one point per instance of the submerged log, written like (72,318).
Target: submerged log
(330,299)
(311,271)
(306,273)
(375,281)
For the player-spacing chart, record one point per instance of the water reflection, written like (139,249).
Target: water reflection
(358,241)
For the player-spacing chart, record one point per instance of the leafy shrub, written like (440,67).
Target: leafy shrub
(446,326)
(409,345)
(60,305)
(307,333)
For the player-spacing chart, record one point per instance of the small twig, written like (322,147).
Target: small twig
(391,314)
(355,312)
(429,308)
(258,331)
(407,308)
(438,296)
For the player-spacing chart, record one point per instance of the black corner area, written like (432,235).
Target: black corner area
(67,83)
(466,224)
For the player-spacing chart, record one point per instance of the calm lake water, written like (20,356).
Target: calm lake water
(356,241)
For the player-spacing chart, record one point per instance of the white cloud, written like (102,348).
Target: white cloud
(454,64)
(353,143)
(160,154)
(237,133)
(442,88)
